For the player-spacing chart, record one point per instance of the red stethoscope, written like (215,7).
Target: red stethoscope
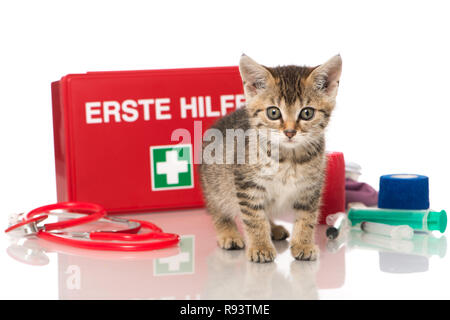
(126,239)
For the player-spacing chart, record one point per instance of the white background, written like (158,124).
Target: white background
(393,107)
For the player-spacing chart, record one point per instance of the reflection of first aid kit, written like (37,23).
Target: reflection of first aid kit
(128,140)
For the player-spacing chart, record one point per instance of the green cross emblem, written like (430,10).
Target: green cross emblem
(171,167)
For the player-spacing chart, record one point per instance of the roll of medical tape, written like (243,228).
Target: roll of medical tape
(404,191)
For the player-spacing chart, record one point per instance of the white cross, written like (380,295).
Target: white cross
(172,167)
(175,261)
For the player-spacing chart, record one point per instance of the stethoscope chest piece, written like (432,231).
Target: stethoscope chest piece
(26,227)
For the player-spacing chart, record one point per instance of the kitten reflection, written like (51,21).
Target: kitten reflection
(231,275)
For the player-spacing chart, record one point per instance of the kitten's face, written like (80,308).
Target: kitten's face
(293,102)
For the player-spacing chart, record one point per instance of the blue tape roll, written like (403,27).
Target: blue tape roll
(404,191)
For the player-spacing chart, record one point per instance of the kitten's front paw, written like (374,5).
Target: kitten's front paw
(261,253)
(231,243)
(279,233)
(307,252)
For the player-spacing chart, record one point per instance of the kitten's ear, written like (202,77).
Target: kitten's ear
(254,76)
(325,78)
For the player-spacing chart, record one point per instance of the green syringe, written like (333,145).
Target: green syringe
(420,220)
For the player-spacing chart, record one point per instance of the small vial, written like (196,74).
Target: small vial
(331,218)
(395,232)
(337,223)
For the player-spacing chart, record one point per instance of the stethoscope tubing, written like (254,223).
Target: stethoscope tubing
(122,240)
(94,212)
(109,245)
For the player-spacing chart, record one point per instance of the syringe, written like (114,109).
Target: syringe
(395,232)
(419,220)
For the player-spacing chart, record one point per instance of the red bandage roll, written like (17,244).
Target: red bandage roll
(333,194)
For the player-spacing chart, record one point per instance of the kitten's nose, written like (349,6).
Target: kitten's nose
(290,133)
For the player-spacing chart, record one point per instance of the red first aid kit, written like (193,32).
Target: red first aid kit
(131,140)
(128,140)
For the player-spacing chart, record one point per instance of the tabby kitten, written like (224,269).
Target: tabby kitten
(294,104)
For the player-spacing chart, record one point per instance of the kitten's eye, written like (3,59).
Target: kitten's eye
(307,113)
(273,113)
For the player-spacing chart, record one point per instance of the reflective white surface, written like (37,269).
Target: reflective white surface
(355,266)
